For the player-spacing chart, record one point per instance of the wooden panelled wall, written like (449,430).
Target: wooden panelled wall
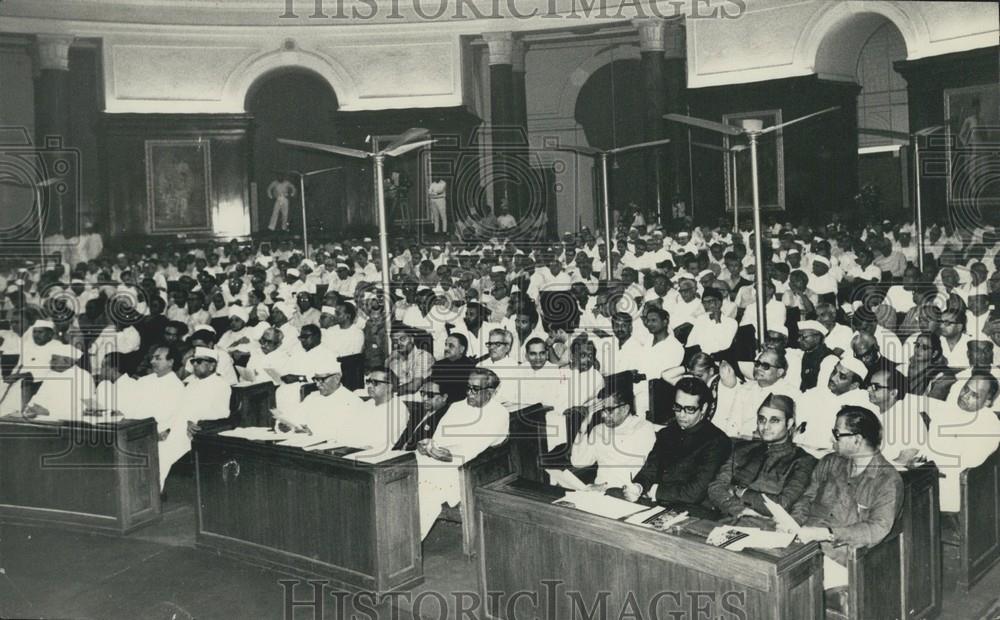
(124,148)
(820,155)
(927,79)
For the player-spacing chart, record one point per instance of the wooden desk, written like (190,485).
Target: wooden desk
(979,521)
(525,540)
(527,438)
(102,477)
(251,404)
(310,513)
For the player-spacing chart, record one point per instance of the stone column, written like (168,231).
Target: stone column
(652,66)
(52,127)
(503,115)
(678,182)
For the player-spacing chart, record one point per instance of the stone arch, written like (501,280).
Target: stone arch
(580,75)
(239,84)
(830,42)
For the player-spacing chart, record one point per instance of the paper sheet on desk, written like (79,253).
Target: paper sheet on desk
(375,456)
(601,504)
(781,517)
(299,440)
(748,538)
(566,479)
(253,433)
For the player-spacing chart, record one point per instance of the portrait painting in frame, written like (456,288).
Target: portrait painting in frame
(179,186)
(972,123)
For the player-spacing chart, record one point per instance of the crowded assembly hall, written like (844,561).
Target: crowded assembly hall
(543,309)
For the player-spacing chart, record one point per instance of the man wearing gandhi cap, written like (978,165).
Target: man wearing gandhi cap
(320,411)
(818,360)
(818,407)
(206,395)
(239,337)
(66,388)
(341,332)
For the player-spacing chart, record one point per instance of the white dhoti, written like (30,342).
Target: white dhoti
(438,483)
(834,573)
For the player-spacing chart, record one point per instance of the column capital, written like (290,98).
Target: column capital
(52,51)
(501,47)
(517,55)
(651,33)
(674,40)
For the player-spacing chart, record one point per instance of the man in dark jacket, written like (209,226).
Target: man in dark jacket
(773,466)
(687,454)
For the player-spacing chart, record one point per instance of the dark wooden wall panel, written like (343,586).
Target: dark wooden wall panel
(926,80)
(821,175)
(124,138)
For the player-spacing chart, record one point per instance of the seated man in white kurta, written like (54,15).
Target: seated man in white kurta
(164,402)
(322,412)
(470,427)
(116,393)
(618,443)
(65,390)
(206,395)
(955,438)
(377,423)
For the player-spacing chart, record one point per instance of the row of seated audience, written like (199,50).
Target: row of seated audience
(861,353)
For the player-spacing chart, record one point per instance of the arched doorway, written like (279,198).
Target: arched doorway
(297,104)
(862,48)
(606,108)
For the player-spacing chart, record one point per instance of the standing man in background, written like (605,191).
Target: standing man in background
(281,190)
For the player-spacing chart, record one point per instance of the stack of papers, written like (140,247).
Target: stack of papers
(600,504)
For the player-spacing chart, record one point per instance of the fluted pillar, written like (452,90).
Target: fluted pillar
(52,124)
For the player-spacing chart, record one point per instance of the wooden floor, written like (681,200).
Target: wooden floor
(157,573)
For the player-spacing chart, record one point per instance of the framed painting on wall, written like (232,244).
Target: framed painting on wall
(406,180)
(770,164)
(178,186)
(972,122)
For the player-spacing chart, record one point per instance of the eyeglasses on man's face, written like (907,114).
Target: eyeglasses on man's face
(496,343)
(478,388)
(429,393)
(373,381)
(766,365)
(688,409)
(837,434)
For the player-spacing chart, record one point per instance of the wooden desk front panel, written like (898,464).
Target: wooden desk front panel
(103,477)
(530,546)
(253,404)
(316,515)
(921,533)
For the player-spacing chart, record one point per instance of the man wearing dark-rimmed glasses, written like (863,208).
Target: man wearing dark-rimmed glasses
(470,427)
(853,497)
(687,454)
